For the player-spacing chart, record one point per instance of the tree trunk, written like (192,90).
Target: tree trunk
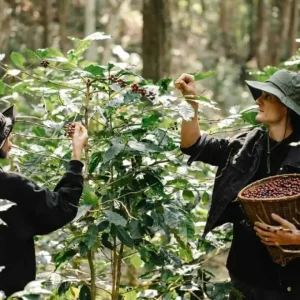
(5,24)
(280,38)
(225,27)
(252,28)
(90,27)
(46,22)
(62,7)
(293,30)
(156,43)
(262,33)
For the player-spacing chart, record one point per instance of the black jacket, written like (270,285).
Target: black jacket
(37,211)
(237,160)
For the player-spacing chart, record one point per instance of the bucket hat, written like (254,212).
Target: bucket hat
(283,84)
(7,121)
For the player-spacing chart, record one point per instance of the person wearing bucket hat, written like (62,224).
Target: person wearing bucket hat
(33,210)
(245,158)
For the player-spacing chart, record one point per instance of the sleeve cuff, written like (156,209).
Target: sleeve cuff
(75,166)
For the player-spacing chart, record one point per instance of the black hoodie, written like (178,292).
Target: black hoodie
(37,211)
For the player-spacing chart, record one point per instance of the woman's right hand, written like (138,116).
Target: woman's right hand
(79,140)
(186,84)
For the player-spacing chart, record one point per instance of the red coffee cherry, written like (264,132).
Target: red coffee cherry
(70,129)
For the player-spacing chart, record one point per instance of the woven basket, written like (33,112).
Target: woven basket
(260,209)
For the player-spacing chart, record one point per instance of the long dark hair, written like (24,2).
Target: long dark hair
(295,120)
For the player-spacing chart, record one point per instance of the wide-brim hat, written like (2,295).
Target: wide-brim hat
(7,121)
(283,84)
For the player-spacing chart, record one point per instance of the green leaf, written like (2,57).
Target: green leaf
(89,196)
(83,248)
(18,59)
(115,218)
(112,152)
(144,146)
(82,46)
(205,198)
(188,195)
(48,53)
(136,261)
(95,70)
(39,131)
(124,237)
(63,288)
(110,66)
(131,97)
(186,229)
(172,217)
(135,229)
(105,241)
(250,117)
(219,291)
(91,235)
(96,158)
(163,84)
(85,293)
(103,225)
(151,120)
(201,76)
(31,56)
(63,256)
(2,87)
(132,295)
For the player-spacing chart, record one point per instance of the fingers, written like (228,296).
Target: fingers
(181,85)
(76,130)
(187,78)
(284,223)
(183,81)
(262,233)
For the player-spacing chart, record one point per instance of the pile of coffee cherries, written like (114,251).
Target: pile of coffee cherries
(70,129)
(275,188)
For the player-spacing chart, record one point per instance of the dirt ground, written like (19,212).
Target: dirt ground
(217,266)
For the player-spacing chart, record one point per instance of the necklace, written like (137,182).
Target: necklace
(269,153)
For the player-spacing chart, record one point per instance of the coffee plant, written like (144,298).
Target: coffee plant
(134,236)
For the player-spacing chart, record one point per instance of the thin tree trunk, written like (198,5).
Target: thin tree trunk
(251,29)
(90,27)
(5,24)
(156,43)
(294,28)
(46,22)
(63,7)
(281,37)
(262,33)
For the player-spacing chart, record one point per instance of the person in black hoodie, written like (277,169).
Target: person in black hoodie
(35,210)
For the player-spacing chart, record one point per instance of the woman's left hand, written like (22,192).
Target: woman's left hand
(284,234)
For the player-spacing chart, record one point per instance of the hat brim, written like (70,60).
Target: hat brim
(256,88)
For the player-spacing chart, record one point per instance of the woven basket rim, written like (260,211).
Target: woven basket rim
(260,181)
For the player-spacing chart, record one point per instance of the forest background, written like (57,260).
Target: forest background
(143,210)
